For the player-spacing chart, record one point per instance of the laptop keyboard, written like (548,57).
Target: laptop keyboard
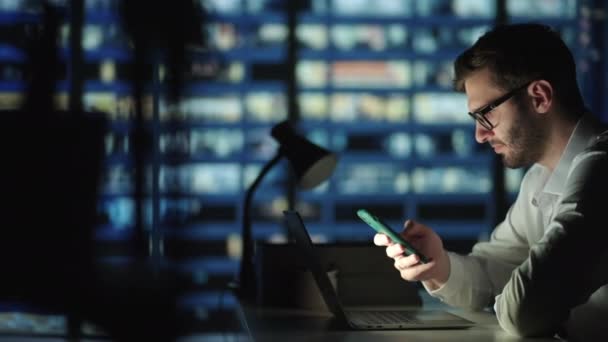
(383,317)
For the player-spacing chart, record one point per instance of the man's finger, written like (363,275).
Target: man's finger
(412,229)
(408,261)
(395,250)
(417,272)
(381,240)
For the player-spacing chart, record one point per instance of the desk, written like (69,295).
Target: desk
(292,325)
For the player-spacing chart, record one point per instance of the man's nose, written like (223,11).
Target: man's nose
(482,134)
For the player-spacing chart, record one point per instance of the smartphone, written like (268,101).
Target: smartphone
(381,227)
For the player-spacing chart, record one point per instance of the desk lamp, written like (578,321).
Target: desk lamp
(311,165)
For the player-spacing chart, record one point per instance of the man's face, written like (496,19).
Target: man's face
(518,134)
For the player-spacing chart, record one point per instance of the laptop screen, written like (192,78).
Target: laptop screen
(296,228)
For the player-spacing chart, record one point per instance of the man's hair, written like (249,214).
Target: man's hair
(520,53)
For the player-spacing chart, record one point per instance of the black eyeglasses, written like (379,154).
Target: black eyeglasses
(480,115)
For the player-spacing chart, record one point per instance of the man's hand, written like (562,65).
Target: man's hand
(434,273)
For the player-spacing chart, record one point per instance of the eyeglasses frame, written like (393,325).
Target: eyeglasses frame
(480,114)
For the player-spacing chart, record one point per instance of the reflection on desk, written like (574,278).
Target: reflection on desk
(274,324)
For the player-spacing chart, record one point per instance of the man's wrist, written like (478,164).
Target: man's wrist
(443,273)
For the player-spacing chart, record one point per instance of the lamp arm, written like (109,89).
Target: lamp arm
(246,274)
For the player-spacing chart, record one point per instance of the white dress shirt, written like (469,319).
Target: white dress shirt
(546,264)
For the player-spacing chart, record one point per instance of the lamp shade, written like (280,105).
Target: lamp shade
(311,163)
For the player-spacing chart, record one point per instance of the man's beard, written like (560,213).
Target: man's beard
(525,140)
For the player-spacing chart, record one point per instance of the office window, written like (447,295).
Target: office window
(374,83)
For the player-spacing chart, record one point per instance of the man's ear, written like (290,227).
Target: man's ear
(542,95)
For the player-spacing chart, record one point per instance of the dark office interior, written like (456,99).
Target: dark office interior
(133,131)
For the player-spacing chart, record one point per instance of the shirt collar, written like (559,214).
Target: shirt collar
(584,132)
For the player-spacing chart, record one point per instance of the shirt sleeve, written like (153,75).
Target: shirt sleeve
(564,268)
(475,279)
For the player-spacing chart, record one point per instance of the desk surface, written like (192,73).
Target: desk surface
(273,324)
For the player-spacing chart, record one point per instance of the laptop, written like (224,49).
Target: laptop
(358,318)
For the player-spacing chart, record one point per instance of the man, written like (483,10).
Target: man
(546,265)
